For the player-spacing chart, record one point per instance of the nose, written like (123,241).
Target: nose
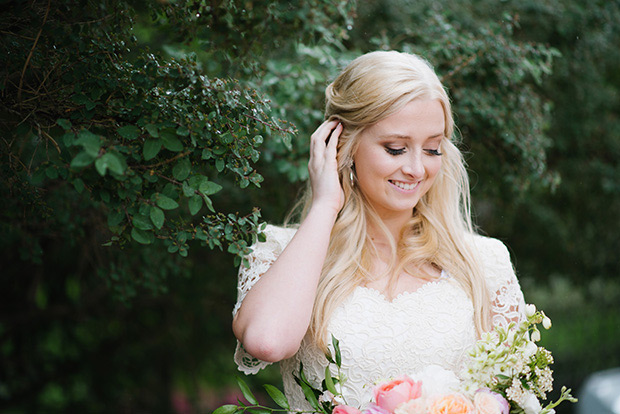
(414,165)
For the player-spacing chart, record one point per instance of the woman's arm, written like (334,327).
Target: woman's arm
(276,312)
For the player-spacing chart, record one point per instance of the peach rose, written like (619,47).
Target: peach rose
(489,402)
(417,406)
(391,394)
(345,409)
(451,404)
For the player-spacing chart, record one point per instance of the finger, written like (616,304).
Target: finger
(324,129)
(319,138)
(332,144)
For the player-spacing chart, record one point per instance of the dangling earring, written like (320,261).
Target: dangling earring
(351,174)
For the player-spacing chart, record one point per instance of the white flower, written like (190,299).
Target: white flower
(511,337)
(530,404)
(339,400)
(516,393)
(546,322)
(530,310)
(530,349)
(436,380)
(326,397)
(536,335)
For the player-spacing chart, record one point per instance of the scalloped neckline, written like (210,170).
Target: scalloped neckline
(408,293)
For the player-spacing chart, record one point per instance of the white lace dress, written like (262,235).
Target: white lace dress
(381,339)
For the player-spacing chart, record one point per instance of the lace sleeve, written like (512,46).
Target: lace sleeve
(262,257)
(507,303)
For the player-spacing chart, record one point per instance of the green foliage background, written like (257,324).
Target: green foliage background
(140,139)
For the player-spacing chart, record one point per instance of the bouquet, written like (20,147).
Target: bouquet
(507,373)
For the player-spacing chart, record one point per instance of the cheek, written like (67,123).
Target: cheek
(372,165)
(433,167)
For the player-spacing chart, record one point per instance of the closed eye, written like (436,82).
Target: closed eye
(433,152)
(394,151)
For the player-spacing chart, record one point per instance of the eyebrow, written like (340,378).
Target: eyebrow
(401,136)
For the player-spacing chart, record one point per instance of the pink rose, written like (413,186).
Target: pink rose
(391,394)
(451,404)
(345,409)
(489,402)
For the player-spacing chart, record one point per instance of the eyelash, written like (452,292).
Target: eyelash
(400,151)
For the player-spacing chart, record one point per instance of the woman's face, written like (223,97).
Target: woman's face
(399,157)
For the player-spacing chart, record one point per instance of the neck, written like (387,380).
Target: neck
(394,225)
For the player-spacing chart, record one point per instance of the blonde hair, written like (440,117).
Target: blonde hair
(369,89)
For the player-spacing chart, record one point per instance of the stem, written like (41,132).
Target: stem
(274,410)
(564,396)
(36,40)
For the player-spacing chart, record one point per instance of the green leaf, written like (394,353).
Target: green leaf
(89,141)
(64,124)
(51,172)
(157,217)
(83,159)
(329,382)
(171,142)
(82,99)
(188,191)
(101,166)
(115,218)
(182,131)
(142,236)
(182,169)
(151,148)
(115,162)
(336,344)
(219,164)
(109,161)
(78,184)
(141,222)
(246,391)
(209,204)
(310,397)
(209,187)
(226,409)
(152,130)
(129,132)
(195,204)
(165,202)
(277,396)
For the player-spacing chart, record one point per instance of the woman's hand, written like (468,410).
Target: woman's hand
(323,167)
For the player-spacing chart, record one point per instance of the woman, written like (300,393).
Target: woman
(385,258)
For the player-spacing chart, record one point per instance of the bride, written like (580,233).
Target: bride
(385,258)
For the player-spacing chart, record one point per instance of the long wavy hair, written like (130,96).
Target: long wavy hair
(371,88)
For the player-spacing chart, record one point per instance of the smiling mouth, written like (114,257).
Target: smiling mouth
(404,186)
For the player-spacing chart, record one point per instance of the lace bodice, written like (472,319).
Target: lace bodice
(381,339)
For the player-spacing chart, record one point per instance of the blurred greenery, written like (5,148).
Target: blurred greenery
(138,140)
